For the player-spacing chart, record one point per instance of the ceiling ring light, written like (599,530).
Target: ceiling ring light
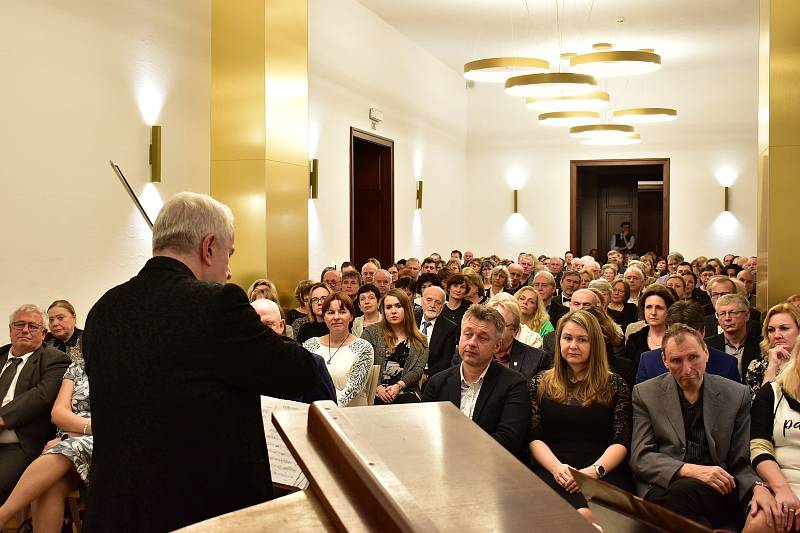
(550,85)
(601,131)
(589,102)
(569,118)
(645,115)
(616,63)
(630,139)
(499,69)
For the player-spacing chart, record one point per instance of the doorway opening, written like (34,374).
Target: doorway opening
(371,198)
(605,193)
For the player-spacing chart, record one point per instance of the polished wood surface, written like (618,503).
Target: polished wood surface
(299,511)
(418,467)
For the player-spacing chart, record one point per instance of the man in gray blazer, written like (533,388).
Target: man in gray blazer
(691,438)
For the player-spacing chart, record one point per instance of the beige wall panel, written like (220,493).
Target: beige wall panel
(287,227)
(784,251)
(784,76)
(240,185)
(286,71)
(237,80)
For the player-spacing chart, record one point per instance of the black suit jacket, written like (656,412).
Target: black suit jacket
(503,406)
(753,326)
(444,343)
(176,368)
(556,311)
(528,360)
(37,386)
(751,350)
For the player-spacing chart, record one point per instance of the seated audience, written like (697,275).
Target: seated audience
(351,282)
(61,319)
(775,445)
(609,272)
(315,324)
(620,309)
(348,358)
(487,266)
(678,286)
(270,314)
(580,413)
(690,438)
(779,338)
(441,334)
(516,274)
(35,371)
(64,464)
(429,265)
(494,397)
(475,293)
(635,279)
(301,311)
(382,280)
(457,289)
(720,286)
(369,298)
(689,313)
(368,271)
(393,271)
(512,353)
(733,313)
(332,278)
(654,302)
(545,285)
(535,320)
(400,349)
(499,281)
(570,282)
(586,278)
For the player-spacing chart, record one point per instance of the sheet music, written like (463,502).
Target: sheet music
(284,468)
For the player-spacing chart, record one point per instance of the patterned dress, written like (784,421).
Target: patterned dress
(77,449)
(349,367)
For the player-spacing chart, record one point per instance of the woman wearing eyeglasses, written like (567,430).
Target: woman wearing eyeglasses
(315,327)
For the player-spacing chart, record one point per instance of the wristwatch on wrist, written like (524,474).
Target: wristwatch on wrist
(599,470)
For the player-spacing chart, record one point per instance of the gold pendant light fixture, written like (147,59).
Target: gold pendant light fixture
(601,131)
(614,63)
(645,115)
(583,102)
(499,69)
(633,138)
(551,85)
(569,118)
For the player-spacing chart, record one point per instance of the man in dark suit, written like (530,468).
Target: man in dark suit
(691,438)
(512,353)
(442,334)
(177,360)
(30,377)
(690,313)
(719,286)
(545,285)
(494,397)
(736,339)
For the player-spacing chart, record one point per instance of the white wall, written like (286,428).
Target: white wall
(82,81)
(357,61)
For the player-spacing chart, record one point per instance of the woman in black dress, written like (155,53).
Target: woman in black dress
(580,413)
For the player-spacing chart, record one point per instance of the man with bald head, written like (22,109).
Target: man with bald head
(516,273)
(442,334)
(368,272)
(383,280)
(270,315)
(468,257)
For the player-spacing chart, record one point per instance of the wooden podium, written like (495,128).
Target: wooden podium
(410,468)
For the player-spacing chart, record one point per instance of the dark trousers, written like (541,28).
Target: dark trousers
(403,397)
(13,463)
(699,502)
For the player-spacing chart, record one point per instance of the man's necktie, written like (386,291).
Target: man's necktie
(425,325)
(8,376)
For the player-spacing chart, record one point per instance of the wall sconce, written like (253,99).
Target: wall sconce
(419,194)
(313,179)
(727,200)
(155,154)
(516,201)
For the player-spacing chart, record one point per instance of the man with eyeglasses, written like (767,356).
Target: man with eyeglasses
(30,377)
(719,286)
(733,312)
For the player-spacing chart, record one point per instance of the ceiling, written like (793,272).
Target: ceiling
(709,53)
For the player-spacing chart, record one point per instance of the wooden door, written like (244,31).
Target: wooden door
(371,198)
(617,204)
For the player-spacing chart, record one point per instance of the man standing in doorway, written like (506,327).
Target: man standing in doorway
(624,241)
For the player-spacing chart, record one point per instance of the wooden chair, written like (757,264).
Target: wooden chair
(372,384)
(74,511)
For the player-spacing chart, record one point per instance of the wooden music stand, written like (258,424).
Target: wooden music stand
(620,511)
(410,468)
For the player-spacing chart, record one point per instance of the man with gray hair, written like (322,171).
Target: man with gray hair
(512,353)
(736,339)
(382,280)
(442,334)
(30,377)
(177,360)
(494,397)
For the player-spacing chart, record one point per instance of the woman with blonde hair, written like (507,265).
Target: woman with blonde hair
(534,312)
(586,278)
(400,349)
(580,413)
(779,339)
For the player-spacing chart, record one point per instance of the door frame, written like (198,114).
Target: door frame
(575,190)
(356,133)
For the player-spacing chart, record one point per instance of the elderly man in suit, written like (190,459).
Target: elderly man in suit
(736,339)
(442,334)
(691,438)
(177,360)
(30,376)
(512,353)
(494,397)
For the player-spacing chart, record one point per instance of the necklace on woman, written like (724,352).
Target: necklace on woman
(330,357)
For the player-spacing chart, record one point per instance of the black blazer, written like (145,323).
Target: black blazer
(751,350)
(444,343)
(503,406)
(635,347)
(753,326)
(177,367)
(528,360)
(37,386)
(556,311)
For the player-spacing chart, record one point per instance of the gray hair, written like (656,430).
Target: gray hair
(601,285)
(29,308)
(441,290)
(633,269)
(728,299)
(186,218)
(504,270)
(385,272)
(508,302)
(484,313)
(547,275)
